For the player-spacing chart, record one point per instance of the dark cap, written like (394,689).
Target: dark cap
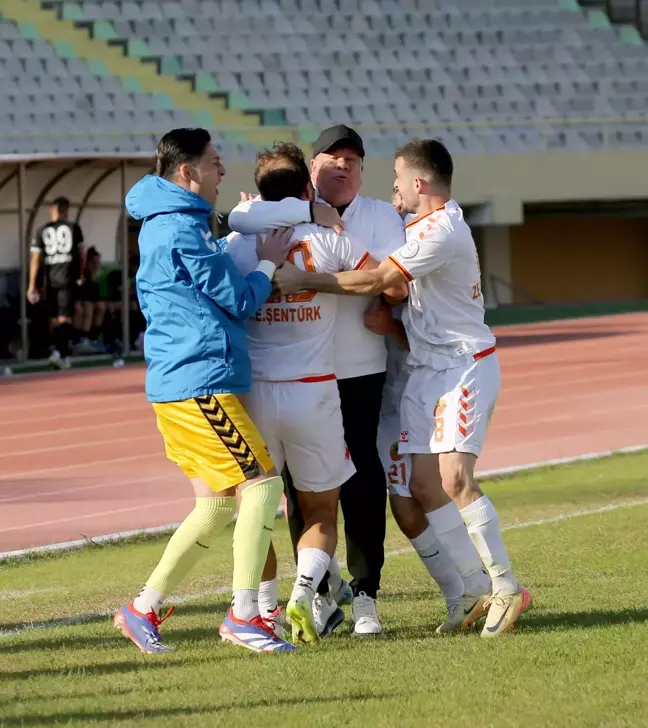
(338,136)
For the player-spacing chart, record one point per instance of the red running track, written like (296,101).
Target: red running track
(80,454)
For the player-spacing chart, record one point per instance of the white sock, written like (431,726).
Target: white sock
(268,596)
(439,565)
(335,577)
(312,564)
(147,600)
(245,604)
(451,531)
(483,526)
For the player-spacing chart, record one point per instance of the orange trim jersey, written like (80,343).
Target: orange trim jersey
(292,337)
(445,311)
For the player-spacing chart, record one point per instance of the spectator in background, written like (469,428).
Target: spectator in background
(89,310)
(58,247)
(113,320)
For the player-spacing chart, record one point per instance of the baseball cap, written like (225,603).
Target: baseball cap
(335,136)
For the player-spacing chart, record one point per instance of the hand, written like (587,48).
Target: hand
(277,245)
(327,216)
(289,279)
(248,196)
(33,296)
(379,320)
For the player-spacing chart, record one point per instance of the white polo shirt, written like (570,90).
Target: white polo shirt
(371,225)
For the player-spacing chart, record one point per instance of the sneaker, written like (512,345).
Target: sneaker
(504,611)
(365,618)
(343,595)
(300,616)
(255,635)
(277,622)
(142,629)
(327,615)
(118,363)
(464,613)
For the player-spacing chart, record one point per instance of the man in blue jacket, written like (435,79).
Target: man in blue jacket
(195,303)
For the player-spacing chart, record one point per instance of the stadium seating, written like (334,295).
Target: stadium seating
(494,76)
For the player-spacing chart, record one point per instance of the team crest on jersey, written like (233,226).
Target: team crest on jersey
(404,437)
(409,250)
(439,408)
(393,452)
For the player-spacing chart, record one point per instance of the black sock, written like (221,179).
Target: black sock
(62,336)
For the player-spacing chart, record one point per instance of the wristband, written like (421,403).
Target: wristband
(267,267)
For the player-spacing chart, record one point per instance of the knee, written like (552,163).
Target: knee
(457,482)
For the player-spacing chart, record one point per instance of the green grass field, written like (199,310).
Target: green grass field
(580,658)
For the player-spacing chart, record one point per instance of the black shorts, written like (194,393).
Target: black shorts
(60,301)
(89,291)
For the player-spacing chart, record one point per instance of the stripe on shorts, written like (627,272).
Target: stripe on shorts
(226,430)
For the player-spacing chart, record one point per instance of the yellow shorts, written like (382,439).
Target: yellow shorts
(214,439)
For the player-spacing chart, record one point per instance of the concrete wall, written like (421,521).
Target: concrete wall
(569,260)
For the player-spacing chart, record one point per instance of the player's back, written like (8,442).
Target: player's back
(59,242)
(292,337)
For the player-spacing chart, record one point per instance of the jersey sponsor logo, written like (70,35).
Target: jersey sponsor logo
(280,315)
(410,249)
(393,452)
(404,436)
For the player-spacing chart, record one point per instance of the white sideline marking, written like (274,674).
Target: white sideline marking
(168,528)
(93,616)
(22,593)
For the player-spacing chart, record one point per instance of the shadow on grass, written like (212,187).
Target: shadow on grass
(573,620)
(68,717)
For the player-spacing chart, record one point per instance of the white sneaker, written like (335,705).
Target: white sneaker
(365,619)
(464,613)
(327,615)
(504,611)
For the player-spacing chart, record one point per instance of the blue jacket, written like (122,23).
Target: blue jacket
(193,298)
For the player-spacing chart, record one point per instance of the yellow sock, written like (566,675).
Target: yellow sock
(192,539)
(253,531)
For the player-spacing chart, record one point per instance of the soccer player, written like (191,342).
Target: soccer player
(360,358)
(454,383)
(195,302)
(295,400)
(58,246)
(386,320)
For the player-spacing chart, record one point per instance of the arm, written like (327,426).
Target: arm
(367,281)
(34,265)
(255,216)
(216,275)
(79,240)
(379,320)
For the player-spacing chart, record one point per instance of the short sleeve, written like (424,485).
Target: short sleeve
(349,254)
(422,255)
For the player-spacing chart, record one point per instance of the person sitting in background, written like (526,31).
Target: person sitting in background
(89,310)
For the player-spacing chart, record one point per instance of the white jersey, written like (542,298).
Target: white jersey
(292,337)
(445,311)
(372,225)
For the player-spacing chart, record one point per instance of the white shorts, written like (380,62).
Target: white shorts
(301,423)
(397,466)
(448,410)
